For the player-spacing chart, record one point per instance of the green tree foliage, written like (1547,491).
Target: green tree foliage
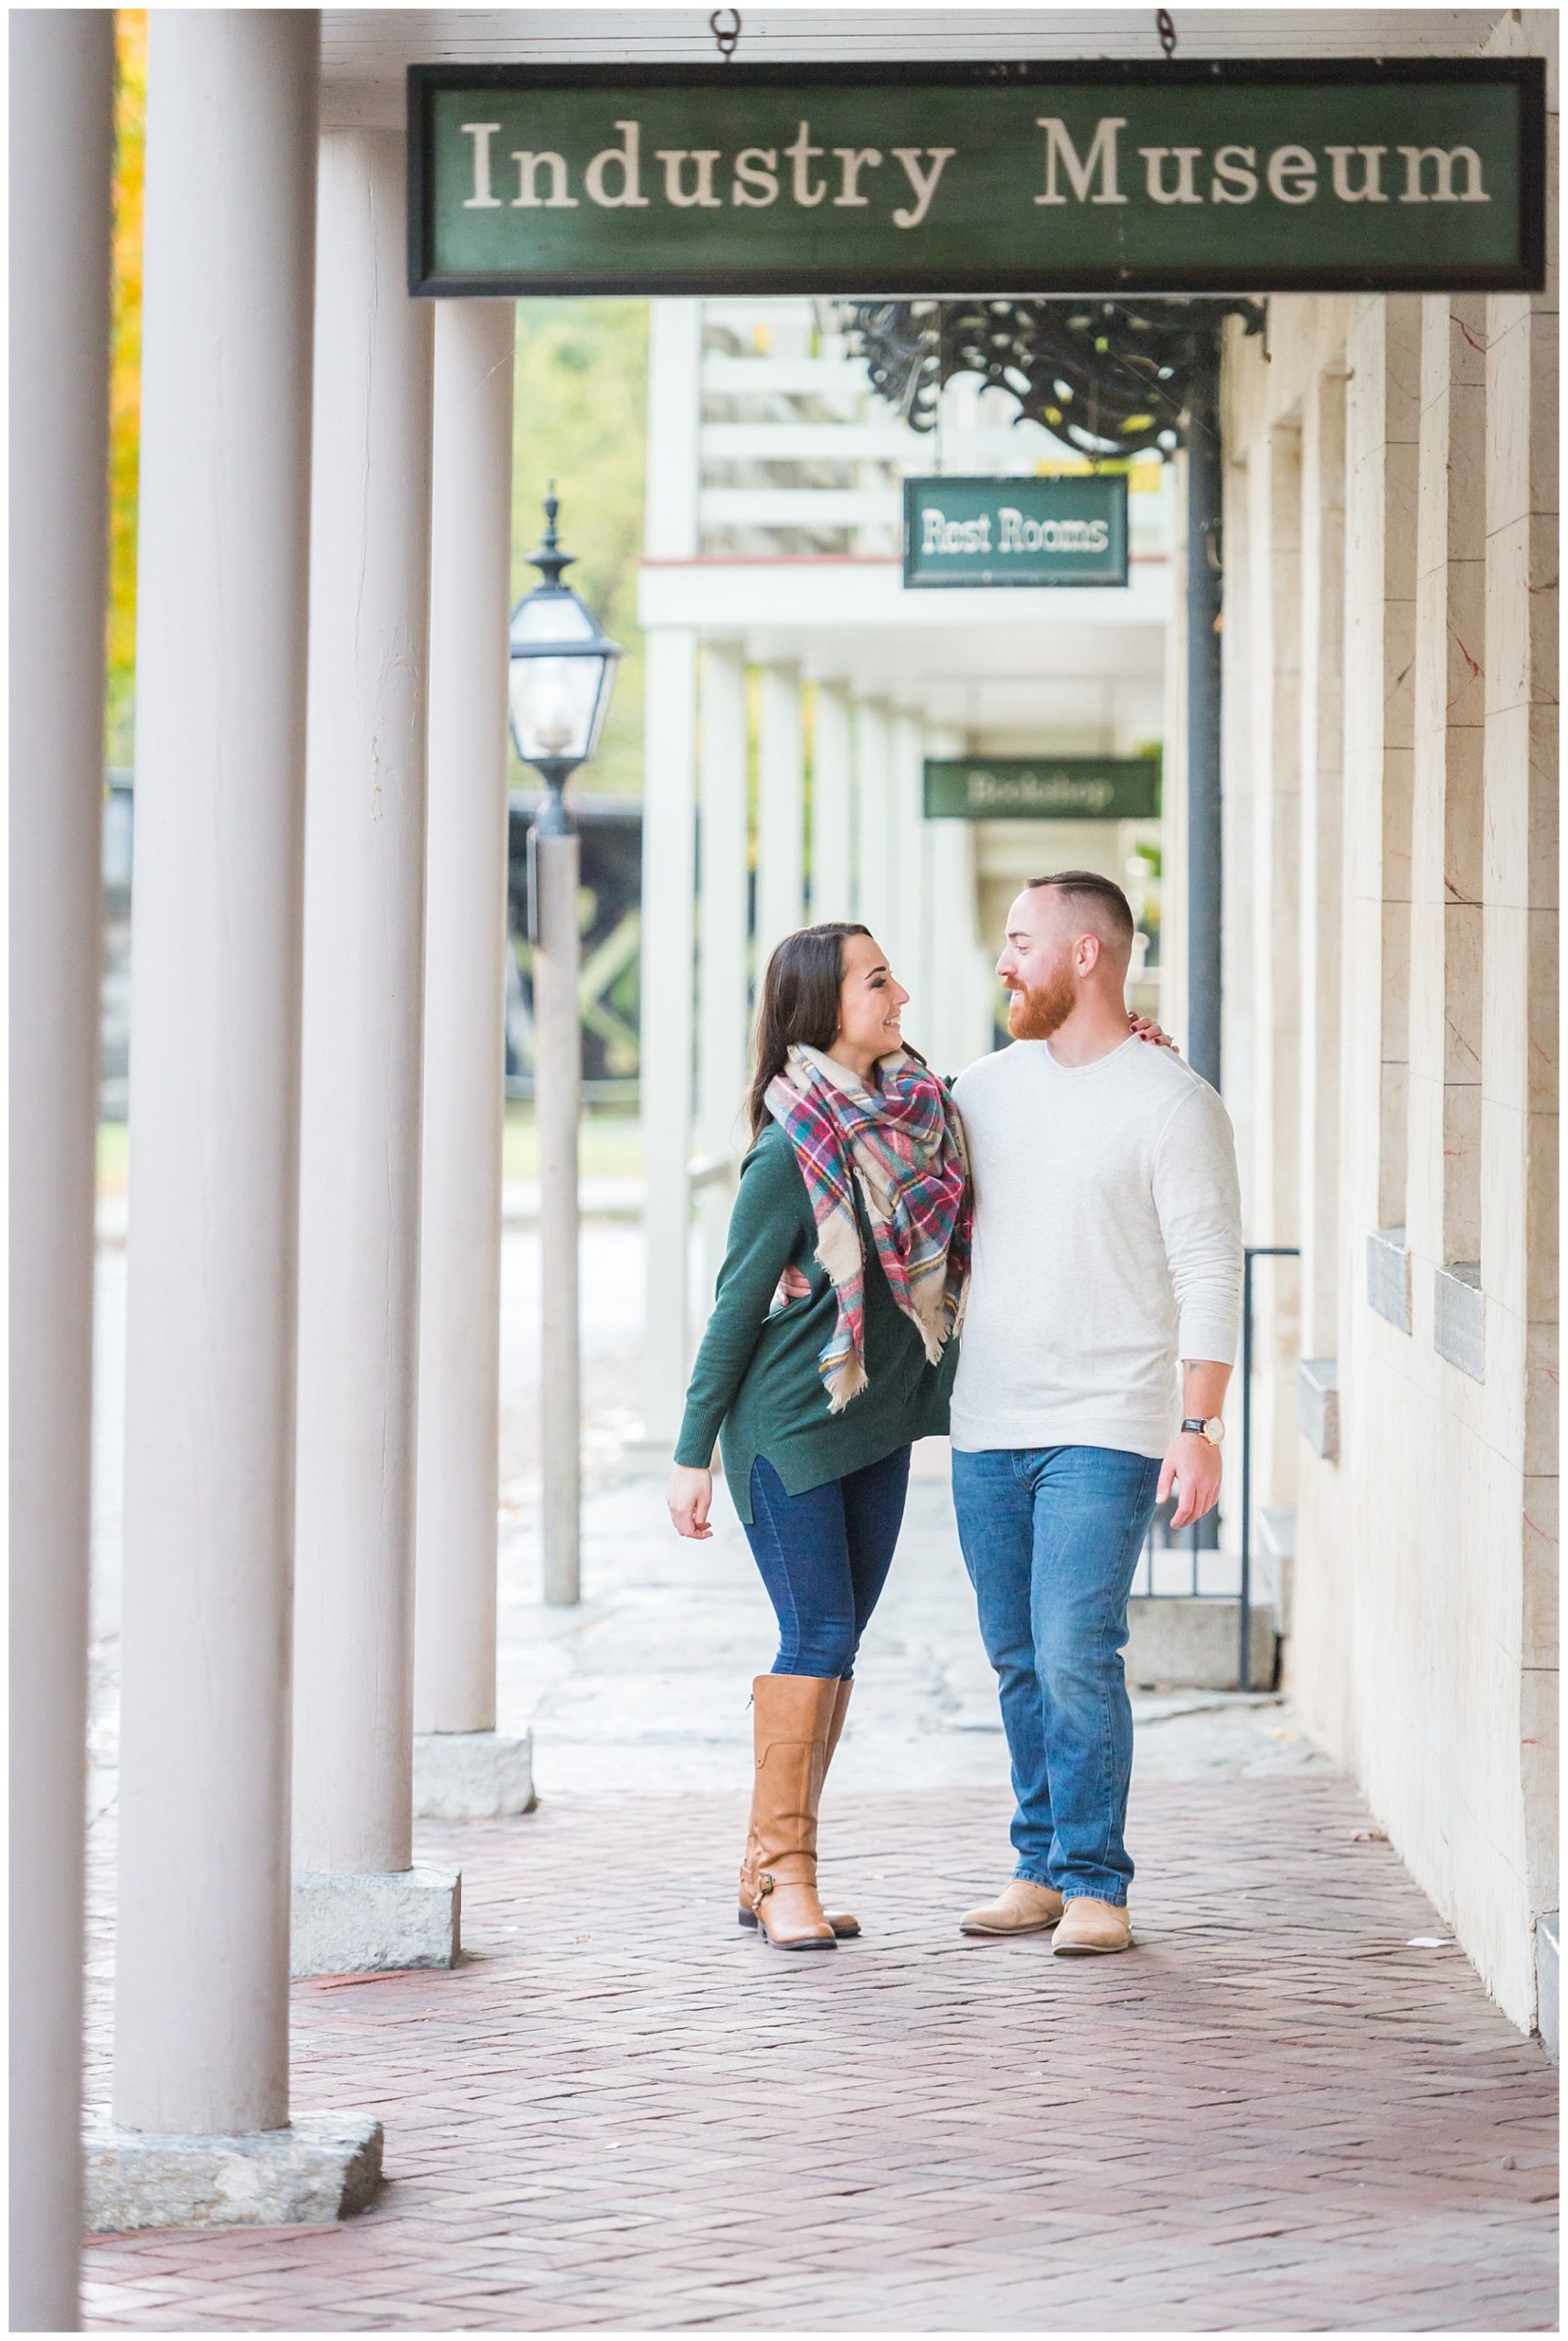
(581,420)
(125,373)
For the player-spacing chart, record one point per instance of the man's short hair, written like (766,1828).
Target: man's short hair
(1088,886)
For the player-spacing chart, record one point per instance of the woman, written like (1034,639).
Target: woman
(857,1181)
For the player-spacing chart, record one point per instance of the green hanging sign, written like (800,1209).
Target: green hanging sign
(1042,789)
(1340,175)
(1039,531)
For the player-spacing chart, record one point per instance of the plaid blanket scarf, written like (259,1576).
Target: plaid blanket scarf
(902,1144)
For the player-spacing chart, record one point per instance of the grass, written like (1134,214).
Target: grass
(612,1148)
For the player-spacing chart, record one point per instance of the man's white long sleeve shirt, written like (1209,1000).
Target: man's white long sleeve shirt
(1107,1247)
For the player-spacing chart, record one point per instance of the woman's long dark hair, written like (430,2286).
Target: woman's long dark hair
(799,1005)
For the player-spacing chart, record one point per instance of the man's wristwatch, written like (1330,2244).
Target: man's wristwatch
(1209,1427)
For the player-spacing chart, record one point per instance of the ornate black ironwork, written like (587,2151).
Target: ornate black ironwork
(1107,376)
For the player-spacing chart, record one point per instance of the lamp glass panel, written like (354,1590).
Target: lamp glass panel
(605,669)
(552,617)
(554,704)
(558,702)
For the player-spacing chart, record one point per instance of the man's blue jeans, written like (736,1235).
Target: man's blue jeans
(1050,1538)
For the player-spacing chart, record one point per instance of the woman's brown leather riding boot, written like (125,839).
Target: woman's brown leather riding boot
(843,1922)
(792,1717)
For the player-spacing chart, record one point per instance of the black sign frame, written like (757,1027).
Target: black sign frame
(996,581)
(1525,273)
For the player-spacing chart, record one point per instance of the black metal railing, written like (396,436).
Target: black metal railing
(1162,1539)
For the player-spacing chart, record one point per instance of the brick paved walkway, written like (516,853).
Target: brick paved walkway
(620,2112)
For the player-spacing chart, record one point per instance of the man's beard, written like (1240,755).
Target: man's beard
(1040,1009)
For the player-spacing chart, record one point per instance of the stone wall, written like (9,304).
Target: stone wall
(1390,1050)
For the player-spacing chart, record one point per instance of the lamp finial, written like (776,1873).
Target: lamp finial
(549,558)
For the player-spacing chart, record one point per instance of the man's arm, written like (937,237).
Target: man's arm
(1198,1198)
(1193,1463)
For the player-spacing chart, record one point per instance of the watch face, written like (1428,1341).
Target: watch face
(1214,1430)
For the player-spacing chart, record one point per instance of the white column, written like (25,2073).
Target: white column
(202,1956)
(201,2009)
(781,810)
(832,806)
(1321,849)
(873,823)
(461,1766)
(722,1018)
(669,846)
(359,1167)
(905,851)
(954,1025)
(960,970)
(670,795)
(62,82)
(937,980)
(675,430)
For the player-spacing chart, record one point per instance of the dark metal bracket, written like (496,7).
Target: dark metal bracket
(1108,377)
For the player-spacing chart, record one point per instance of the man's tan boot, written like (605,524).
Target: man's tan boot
(843,1922)
(792,1715)
(1021,1907)
(1089,1928)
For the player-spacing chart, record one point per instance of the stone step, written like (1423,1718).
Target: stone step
(1186,1642)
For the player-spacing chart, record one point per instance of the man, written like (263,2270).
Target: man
(1107,1245)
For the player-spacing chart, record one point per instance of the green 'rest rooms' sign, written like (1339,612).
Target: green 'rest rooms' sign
(1340,176)
(1031,531)
(1042,789)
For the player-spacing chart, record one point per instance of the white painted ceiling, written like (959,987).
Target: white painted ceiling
(370,48)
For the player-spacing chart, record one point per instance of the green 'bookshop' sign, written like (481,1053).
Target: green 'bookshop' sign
(1042,789)
(1051,531)
(1337,175)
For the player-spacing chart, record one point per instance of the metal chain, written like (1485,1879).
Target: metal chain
(726,35)
(1167,31)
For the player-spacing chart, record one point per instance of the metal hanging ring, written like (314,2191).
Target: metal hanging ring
(1167,31)
(726,35)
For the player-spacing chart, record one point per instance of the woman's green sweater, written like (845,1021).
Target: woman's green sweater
(757,1373)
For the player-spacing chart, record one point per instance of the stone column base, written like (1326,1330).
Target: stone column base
(473,1775)
(372,1922)
(321,2168)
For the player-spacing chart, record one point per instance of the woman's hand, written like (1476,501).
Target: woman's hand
(793,1285)
(689,1496)
(1146,1028)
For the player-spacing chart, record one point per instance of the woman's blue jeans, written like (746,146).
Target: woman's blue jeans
(1050,1538)
(825,1557)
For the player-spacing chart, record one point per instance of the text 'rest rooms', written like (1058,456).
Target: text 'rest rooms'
(907,180)
(1016,532)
